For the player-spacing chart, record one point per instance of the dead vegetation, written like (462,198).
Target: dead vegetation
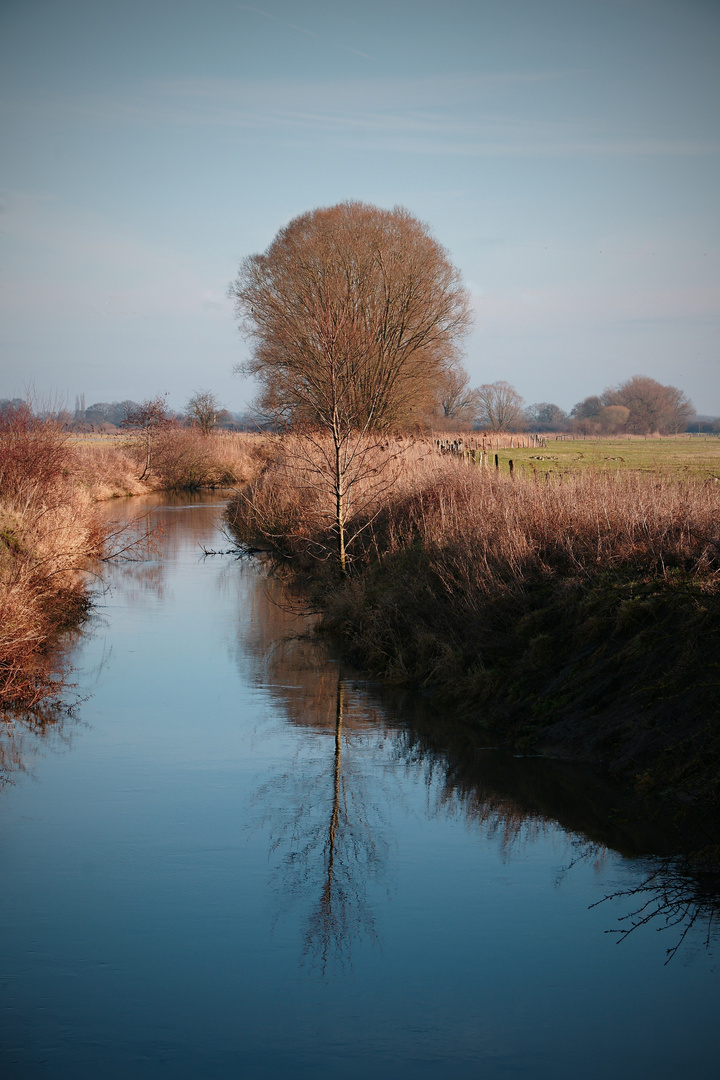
(51,532)
(49,529)
(579,613)
(182,459)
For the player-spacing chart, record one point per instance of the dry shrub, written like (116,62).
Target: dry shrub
(181,458)
(184,458)
(49,530)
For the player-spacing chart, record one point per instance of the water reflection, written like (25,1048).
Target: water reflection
(144,535)
(24,734)
(327,843)
(320,821)
(326,807)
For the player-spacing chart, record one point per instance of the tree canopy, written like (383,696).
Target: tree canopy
(500,407)
(204,410)
(651,406)
(353,314)
(640,405)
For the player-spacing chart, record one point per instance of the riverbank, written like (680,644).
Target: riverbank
(51,533)
(575,614)
(179,459)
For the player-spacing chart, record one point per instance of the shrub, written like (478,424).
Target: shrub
(48,531)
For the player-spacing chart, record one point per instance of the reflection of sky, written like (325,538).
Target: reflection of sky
(138,897)
(565,153)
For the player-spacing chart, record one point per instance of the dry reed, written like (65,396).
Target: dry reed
(182,459)
(49,529)
(492,524)
(544,598)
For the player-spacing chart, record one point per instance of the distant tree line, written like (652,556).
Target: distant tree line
(638,406)
(203,410)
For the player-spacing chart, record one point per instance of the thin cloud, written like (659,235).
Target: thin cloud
(408,116)
(301,30)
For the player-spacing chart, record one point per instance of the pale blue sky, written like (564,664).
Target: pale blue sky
(565,152)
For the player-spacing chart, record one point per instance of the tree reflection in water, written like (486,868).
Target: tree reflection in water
(676,854)
(26,733)
(678,893)
(328,842)
(350,855)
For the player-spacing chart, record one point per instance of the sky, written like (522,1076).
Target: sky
(564,152)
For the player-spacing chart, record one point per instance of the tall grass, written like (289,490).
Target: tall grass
(181,459)
(589,600)
(491,527)
(49,529)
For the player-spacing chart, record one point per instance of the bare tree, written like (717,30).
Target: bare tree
(456,400)
(652,406)
(500,407)
(204,411)
(148,420)
(353,314)
(546,416)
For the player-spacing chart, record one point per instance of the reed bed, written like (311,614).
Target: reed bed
(49,530)
(181,459)
(491,526)
(577,611)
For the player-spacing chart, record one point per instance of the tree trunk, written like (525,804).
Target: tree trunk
(339,504)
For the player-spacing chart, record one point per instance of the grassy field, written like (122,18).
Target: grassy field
(682,456)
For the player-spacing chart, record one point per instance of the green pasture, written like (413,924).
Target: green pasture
(683,456)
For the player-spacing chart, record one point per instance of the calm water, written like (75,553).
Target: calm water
(235,859)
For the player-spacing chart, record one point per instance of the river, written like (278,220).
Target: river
(233,857)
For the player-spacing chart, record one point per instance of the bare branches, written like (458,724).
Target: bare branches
(499,406)
(148,420)
(350,308)
(203,410)
(677,893)
(353,314)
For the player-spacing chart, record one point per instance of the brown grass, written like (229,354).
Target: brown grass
(587,600)
(49,529)
(182,459)
(493,524)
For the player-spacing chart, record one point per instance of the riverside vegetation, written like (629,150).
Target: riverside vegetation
(52,532)
(572,611)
